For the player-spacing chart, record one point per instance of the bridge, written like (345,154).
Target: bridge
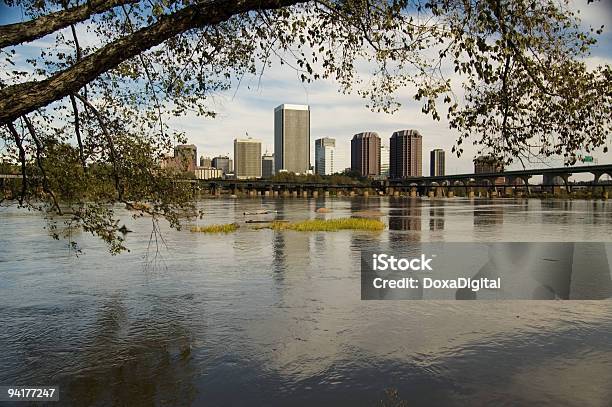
(507,183)
(495,184)
(510,176)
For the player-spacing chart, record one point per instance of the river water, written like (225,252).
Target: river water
(258,317)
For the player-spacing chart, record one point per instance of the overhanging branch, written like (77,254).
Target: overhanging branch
(15,34)
(20,99)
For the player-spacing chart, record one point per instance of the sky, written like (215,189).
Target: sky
(249,108)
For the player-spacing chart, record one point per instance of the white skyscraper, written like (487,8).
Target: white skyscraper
(384,161)
(325,151)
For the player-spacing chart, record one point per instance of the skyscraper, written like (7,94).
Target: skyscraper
(384,161)
(292,138)
(186,156)
(365,154)
(436,162)
(205,162)
(406,154)
(247,158)
(325,150)
(267,165)
(222,163)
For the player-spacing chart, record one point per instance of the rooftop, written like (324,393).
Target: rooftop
(292,107)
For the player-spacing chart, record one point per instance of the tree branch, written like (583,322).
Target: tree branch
(15,34)
(17,100)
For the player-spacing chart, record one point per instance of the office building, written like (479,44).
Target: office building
(384,161)
(325,150)
(247,158)
(223,163)
(208,173)
(365,154)
(436,162)
(205,162)
(487,164)
(186,156)
(406,154)
(267,165)
(292,138)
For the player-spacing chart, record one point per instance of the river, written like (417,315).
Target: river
(261,317)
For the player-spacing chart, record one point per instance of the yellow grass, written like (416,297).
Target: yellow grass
(225,228)
(330,225)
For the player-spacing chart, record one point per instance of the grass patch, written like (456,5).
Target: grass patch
(225,228)
(330,225)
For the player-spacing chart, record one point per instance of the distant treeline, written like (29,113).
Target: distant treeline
(347,177)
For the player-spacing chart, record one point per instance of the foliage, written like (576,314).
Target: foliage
(330,225)
(224,228)
(87,121)
(335,179)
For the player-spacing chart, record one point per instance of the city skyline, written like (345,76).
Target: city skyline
(247,106)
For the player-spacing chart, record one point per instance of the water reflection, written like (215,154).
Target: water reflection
(147,361)
(405,215)
(436,217)
(487,213)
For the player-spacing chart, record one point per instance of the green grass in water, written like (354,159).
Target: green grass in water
(330,225)
(225,228)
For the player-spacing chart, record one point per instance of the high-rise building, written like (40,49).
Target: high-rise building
(384,161)
(292,138)
(487,164)
(365,154)
(205,162)
(406,154)
(325,150)
(222,163)
(436,162)
(267,165)
(247,157)
(186,156)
